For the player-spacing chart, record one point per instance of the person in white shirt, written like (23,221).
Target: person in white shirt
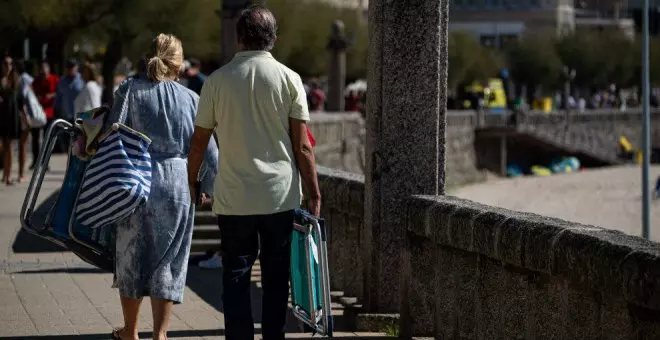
(90,96)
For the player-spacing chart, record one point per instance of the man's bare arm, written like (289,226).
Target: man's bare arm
(304,154)
(198,145)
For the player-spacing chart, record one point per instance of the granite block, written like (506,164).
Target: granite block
(641,274)
(547,310)
(337,251)
(356,194)
(540,236)
(353,281)
(343,197)
(439,225)
(329,196)
(421,263)
(486,231)
(501,301)
(509,245)
(593,257)
(616,322)
(407,66)
(418,210)
(583,308)
(464,270)
(446,313)
(460,233)
(646,323)
(407,319)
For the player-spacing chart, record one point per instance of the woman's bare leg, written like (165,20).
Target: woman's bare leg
(161,310)
(6,159)
(131,309)
(22,154)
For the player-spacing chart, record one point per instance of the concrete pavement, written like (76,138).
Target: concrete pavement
(606,197)
(49,293)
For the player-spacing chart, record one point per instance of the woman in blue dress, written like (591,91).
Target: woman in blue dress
(153,245)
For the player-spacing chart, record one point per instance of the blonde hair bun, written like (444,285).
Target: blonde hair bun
(165,58)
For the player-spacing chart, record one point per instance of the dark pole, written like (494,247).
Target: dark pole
(228,13)
(646,135)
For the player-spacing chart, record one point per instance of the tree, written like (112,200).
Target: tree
(304,29)
(600,58)
(469,61)
(534,62)
(50,22)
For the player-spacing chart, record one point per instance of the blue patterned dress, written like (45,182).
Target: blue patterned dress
(153,245)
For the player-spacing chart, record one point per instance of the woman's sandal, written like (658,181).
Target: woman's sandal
(116,334)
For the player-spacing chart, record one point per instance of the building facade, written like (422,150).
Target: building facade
(496,22)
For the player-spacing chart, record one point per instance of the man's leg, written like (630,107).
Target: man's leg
(240,248)
(275,235)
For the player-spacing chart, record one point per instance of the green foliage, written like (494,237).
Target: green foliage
(303,34)
(304,29)
(392,330)
(600,58)
(469,61)
(534,61)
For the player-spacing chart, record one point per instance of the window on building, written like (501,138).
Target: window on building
(507,40)
(488,40)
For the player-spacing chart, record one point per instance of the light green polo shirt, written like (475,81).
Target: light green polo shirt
(249,102)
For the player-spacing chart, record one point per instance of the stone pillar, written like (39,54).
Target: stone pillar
(406,104)
(228,14)
(337,76)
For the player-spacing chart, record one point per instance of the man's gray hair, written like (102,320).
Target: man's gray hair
(257,28)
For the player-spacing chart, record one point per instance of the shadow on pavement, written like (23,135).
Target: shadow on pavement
(29,243)
(207,284)
(143,335)
(62,271)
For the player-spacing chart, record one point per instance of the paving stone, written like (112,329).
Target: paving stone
(55,293)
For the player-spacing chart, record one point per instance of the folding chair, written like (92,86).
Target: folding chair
(95,246)
(310,279)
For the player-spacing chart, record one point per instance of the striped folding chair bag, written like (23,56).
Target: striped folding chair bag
(117,180)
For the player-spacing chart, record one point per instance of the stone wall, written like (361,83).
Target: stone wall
(343,208)
(339,140)
(340,144)
(594,132)
(462,166)
(472,271)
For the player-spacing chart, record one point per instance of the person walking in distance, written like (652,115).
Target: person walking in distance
(68,89)
(12,119)
(258,109)
(195,76)
(44,86)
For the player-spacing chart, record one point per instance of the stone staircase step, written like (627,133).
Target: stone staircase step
(202,245)
(206,232)
(205,218)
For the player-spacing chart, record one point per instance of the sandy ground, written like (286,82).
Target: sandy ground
(609,197)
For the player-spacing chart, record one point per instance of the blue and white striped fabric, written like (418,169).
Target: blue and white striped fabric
(117,180)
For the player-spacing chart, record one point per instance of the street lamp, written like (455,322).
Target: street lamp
(646,134)
(569,76)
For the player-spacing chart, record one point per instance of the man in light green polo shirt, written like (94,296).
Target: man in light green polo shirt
(258,109)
